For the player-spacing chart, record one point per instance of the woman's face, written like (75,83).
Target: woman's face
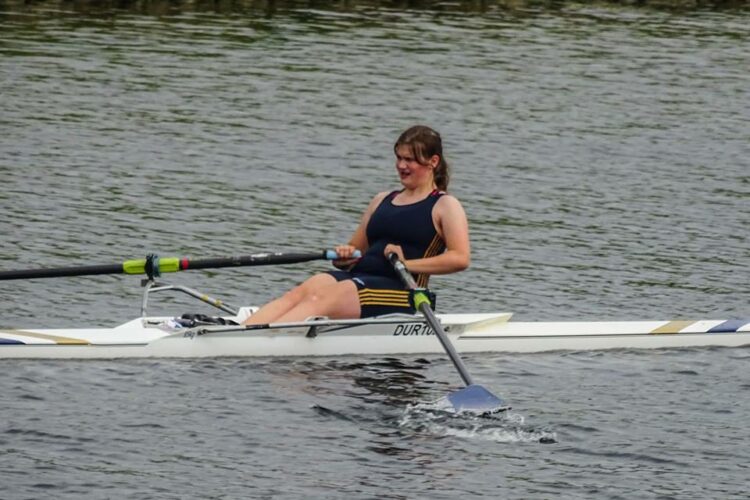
(412,173)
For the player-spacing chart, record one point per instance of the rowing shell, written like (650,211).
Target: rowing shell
(389,335)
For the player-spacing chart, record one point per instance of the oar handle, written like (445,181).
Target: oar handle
(403,273)
(154,266)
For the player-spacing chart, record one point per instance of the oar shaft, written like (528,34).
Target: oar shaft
(429,316)
(423,305)
(169,265)
(261,259)
(61,272)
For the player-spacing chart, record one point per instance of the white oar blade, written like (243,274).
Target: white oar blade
(476,399)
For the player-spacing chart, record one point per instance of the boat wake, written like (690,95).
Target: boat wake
(396,394)
(439,419)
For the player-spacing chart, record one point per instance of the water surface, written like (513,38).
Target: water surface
(600,152)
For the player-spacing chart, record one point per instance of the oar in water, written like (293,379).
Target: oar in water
(473,397)
(153,266)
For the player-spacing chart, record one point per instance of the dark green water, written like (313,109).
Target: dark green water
(600,150)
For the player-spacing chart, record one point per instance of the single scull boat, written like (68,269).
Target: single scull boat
(388,335)
(469,333)
(150,336)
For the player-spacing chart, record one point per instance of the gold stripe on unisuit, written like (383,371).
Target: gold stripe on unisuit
(397,303)
(368,292)
(369,297)
(435,247)
(379,300)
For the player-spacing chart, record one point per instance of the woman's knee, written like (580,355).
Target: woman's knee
(338,300)
(309,289)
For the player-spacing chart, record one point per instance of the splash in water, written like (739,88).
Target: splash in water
(439,418)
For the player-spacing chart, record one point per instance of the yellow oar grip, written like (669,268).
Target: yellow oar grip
(169,264)
(138,266)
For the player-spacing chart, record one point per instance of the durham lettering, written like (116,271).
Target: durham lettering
(413,329)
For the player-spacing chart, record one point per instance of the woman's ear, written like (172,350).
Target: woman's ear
(434,161)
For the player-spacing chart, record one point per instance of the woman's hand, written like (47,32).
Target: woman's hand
(346,256)
(345,251)
(391,248)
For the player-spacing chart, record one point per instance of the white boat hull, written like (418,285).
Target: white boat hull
(469,333)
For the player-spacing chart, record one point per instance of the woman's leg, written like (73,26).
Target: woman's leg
(273,310)
(338,300)
(276,309)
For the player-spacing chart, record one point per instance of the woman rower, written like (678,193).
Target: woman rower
(421,223)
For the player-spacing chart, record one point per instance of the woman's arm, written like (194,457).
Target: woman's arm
(450,221)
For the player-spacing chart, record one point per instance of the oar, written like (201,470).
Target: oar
(473,397)
(153,266)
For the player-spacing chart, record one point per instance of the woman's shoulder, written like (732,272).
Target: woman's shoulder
(447,203)
(378,198)
(445,198)
(381,195)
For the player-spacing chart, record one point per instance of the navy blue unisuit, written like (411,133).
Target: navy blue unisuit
(409,226)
